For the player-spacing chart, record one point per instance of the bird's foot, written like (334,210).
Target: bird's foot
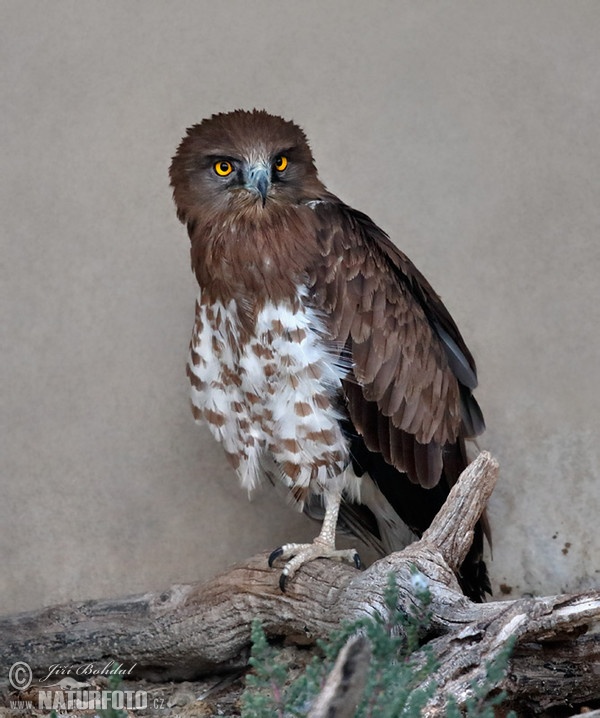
(297,554)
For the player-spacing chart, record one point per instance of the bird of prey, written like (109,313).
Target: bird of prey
(320,356)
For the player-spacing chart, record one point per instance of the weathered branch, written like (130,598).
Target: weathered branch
(343,688)
(195,629)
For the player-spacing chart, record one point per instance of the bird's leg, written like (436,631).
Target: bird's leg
(323,545)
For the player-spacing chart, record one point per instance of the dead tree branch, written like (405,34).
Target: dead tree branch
(193,629)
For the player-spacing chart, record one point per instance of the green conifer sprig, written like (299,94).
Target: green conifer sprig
(399,681)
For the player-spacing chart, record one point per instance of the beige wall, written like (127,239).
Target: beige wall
(468,130)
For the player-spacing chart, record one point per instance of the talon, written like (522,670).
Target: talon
(296,555)
(275,555)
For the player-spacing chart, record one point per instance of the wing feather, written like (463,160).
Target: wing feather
(409,391)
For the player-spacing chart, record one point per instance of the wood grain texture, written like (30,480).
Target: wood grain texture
(193,629)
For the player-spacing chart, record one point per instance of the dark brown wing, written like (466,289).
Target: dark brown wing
(409,394)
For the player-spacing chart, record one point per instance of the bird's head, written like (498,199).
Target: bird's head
(242,162)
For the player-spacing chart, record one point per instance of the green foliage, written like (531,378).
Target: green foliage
(397,684)
(114,684)
(266,694)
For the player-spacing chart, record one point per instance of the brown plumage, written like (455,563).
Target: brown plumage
(320,353)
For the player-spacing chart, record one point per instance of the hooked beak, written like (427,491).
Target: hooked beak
(258,179)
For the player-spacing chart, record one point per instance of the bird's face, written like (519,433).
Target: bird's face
(255,177)
(242,162)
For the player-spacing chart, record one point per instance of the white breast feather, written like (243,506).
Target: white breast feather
(285,411)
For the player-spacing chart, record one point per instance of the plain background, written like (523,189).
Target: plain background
(468,130)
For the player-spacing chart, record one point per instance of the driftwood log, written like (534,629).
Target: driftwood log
(198,629)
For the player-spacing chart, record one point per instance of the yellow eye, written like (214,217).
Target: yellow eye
(223,168)
(281,163)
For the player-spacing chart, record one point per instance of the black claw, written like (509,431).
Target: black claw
(275,555)
(283,582)
(357,561)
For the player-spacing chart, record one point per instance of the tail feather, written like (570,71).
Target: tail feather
(416,506)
